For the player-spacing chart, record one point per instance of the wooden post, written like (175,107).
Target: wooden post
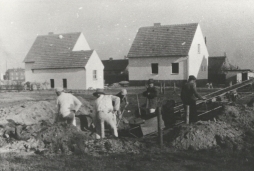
(187,114)
(164,87)
(160,134)
(138,106)
(161,87)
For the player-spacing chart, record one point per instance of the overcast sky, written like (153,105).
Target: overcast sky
(111,25)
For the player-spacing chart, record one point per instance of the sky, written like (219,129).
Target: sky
(110,26)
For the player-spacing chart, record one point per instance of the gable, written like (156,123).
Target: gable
(94,62)
(81,44)
(159,41)
(53,43)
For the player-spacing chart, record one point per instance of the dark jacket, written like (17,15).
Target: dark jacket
(150,93)
(189,93)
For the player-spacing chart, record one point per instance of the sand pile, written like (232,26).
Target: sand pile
(205,135)
(28,113)
(86,108)
(60,138)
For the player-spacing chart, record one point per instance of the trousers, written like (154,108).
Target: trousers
(101,118)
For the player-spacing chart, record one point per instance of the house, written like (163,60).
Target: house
(221,71)
(64,60)
(115,70)
(169,53)
(16,74)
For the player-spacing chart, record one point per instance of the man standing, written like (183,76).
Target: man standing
(67,106)
(151,97)
(104,111)
(189,95)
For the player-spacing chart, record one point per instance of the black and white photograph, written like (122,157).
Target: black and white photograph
(127,85)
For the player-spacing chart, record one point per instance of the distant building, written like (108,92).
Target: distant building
(168,52)
(64,60)
(15,74)
(115,70)
(221,71)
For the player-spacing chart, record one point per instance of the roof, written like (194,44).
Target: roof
(74,59)
(167,40)
(52,43)
(115,65)
(219,63)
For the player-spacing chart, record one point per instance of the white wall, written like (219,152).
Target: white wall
(76,78)
(197,60)
(94,63)
(140,68)
(81,44)
(28,72)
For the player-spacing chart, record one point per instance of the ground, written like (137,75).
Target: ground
(150,158)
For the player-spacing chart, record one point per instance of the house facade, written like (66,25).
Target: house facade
(64,60)
(168,53)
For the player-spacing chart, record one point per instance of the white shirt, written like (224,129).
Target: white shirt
(66,102)
(104,103)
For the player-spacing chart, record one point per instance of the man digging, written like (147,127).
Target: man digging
(104,111)
(67,106)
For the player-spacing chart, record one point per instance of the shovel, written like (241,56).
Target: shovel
(122,116)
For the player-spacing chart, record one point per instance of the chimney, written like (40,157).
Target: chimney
(157,24)
(205,40)
(111,59)
(50,33)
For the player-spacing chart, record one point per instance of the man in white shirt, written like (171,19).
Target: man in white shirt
(104,111)
(67,106)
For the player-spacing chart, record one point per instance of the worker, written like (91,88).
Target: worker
(189,95)
(104,111)
(151,97)
(67,106)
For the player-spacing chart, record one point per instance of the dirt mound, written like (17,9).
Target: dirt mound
(205,135)
(60,138)
(86,108)
(238,116)
(29,113)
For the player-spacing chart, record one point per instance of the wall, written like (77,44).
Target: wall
(81,44)
(197,60)
(94,63)
(76,78)
(28,72)
(140,68)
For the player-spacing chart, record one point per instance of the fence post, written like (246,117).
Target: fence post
(174,86)
(160,134)
(164,87)
(161,87)
(187,114)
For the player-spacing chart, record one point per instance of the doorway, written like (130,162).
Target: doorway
(52,83)
(64,83)
(245,76)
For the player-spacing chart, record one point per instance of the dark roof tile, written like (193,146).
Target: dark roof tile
(168,40)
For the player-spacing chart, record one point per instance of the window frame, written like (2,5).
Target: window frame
(175,73)
(95,75)
(152,68)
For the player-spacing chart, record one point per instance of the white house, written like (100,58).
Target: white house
(170,53)
(64,60)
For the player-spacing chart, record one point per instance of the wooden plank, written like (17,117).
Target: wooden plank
(151,125)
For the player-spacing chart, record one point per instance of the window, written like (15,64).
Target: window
(155,68)
(175,68)
(52,83)
(64,83)
(198,48)
(95,74)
